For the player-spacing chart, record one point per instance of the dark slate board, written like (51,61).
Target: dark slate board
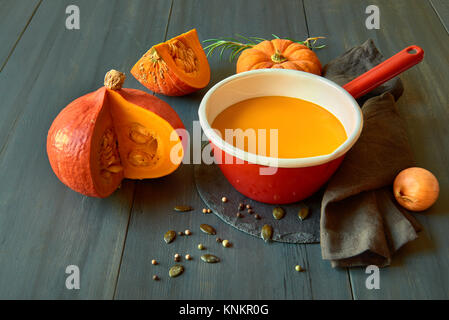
(212,186)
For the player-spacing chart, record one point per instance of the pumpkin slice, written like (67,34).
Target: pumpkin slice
(176,67)
(111,134)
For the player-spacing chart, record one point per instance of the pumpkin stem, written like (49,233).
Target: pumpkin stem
(114,80)
(277,57)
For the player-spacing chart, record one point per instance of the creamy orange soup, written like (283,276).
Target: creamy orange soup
(304,129)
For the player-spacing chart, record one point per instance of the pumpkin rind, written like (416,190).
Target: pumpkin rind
(69,144)
(176,67)
(279,54)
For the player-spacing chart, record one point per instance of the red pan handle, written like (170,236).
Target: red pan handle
(385,71)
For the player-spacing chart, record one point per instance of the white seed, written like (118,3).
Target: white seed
(298,268)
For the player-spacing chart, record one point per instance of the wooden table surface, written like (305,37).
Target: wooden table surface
(44,226)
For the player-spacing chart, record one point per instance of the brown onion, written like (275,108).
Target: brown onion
(416,189)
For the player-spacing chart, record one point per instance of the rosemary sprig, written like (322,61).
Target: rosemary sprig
(240,43)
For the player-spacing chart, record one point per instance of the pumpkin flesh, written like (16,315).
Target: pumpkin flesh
(145,140)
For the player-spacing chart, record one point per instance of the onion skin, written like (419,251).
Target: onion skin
(416,189)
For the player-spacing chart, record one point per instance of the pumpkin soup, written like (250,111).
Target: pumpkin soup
(304,129)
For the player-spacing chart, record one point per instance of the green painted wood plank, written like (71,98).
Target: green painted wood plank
(420,268)
(442,9)
(250,269)
(44,226)
(14,17)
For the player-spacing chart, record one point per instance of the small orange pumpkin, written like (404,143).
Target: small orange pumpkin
(111,134)
(281,54)
(176,67)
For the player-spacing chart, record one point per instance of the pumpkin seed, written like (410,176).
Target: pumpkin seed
(266,232)
(208,229)
(176,270)
(169,236)
(278,213)
(139,158)
(210,258)
(303,213)
(183,208)
(114,168)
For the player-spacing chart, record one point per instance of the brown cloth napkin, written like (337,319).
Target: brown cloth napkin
(361,224)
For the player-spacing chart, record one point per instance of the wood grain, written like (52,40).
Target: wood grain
(14,17)
(442,9)
(250,269)
(44,226)
(420,269)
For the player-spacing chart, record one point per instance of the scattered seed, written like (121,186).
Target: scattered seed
(169,236)
(204,210)
(200,246)
(298,268)
(210,258)
(257,216)
(239,215)
(241,206)
(250,211)
(248,206)
(155,278)
(180,233)
(266,232)
(188,232)
(224,199)
(177,257)
(303,213)
(278,213)
(176,270)
(183,208)
(153,262)
(188,257)
(218,240)
(226,243)
(208,229)
(209,210)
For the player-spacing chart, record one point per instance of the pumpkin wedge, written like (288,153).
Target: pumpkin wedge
(111,134)
(176,67)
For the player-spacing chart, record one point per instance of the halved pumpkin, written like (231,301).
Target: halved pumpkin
(176,67)
(111,134)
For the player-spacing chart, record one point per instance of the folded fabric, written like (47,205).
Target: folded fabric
(361,223)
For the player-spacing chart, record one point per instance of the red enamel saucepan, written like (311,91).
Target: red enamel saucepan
(281,180)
